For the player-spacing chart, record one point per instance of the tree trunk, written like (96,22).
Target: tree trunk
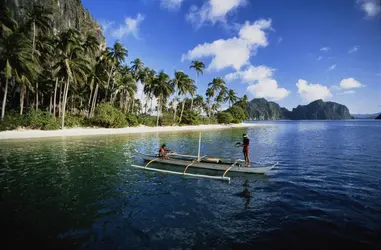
(133,104)
(158,111)
(108,81)
(191,107)
(27,97)
(66,90)
(175,109)
(210,109)
(91,93)
(51,104)
(94,100)
(121,100)
(151,104)
(34,37)
(54,99)
(36,96)
(60,101)
(182,110)
(22,95)
(4,99)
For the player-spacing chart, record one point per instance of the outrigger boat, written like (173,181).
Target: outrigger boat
(203,162)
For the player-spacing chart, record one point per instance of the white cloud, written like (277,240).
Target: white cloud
(233,52)
(212,11)
(354,49)
(319,58)
(261,82)
(325,49)
(268,89)
(332,67)
(251,74)
(106,24)
(171,4)
(370,7)
(311,92)
(130,26)
(350,83)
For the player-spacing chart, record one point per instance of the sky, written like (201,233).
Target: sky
(292,52)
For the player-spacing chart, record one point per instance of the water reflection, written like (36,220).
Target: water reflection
(246,194)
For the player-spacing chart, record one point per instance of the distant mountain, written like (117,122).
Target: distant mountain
(378,117)
(365,116)
(261,109)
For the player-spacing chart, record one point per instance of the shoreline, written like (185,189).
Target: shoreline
(27,133)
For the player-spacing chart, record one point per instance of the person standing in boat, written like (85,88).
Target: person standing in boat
(163,150)
(246,147)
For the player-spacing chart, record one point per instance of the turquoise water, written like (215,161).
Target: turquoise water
(82,193)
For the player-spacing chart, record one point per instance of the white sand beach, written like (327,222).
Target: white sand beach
(21,133)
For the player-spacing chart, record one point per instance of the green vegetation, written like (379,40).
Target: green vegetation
(52,80)
(225,117)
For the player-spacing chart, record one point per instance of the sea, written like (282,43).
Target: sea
(82,192)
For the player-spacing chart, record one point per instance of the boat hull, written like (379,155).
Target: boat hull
(209,165)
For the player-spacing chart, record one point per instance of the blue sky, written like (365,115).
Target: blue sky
(291,52)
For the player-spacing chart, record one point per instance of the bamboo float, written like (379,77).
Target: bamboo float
(224,178)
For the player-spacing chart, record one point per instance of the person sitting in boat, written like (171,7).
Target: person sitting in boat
(246,146)
(163,150)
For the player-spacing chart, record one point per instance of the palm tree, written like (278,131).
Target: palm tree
(138,73)
(149,85)
(178,82)
(73,66)
(199,67)
(90,44)
(162,89)
(100,78)
(127,89)
(17,63)
(187,87)
(7,24)
(116,55)
(218,85)
(137,67)
(209,94)
(231,97)
(144,77)
(39,19)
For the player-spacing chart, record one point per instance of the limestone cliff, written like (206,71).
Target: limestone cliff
(320,110)
(261,109)
(66,14)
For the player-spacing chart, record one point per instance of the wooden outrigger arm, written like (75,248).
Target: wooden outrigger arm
(194,161)
(229,168)
(151,162)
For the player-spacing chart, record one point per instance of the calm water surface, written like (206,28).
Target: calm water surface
(82,193)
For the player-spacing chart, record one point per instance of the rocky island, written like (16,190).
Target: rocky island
(261,109)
